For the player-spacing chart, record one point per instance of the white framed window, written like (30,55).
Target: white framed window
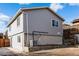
(18,21)
(9,28)
(54,23)
(18,39)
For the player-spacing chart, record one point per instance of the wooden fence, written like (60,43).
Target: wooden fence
(4,42)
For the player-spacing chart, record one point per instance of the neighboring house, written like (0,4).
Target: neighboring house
(76,31)
(68,35)
(71,32)
(34,27)
(66,26)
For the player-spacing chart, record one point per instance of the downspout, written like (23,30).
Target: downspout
(27,30)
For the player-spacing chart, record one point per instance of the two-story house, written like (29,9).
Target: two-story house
(34,27)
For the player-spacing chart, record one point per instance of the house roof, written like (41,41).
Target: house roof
(75,21)
(66,25)
(27,9)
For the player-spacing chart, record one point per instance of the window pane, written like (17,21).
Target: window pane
(18,21)
(56,23)
(53,23)
(18,38)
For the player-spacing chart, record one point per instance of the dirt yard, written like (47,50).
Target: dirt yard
(6,52)
(52,52)
(58,52)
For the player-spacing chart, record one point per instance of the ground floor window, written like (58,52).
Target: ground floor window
(19,39)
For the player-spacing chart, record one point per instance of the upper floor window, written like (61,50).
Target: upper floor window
(54,23)
(18,21)
(9,28)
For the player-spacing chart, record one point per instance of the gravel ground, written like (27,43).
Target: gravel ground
(52,52)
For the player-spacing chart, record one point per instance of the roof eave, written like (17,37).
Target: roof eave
(13,18)
(22,9)
(56,14)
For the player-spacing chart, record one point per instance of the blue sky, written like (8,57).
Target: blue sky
(68,11)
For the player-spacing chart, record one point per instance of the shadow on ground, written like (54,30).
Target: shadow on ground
(7,51)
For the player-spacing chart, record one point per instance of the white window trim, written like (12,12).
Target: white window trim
(54,26)
(17,21)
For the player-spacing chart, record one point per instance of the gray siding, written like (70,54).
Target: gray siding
(40,20)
